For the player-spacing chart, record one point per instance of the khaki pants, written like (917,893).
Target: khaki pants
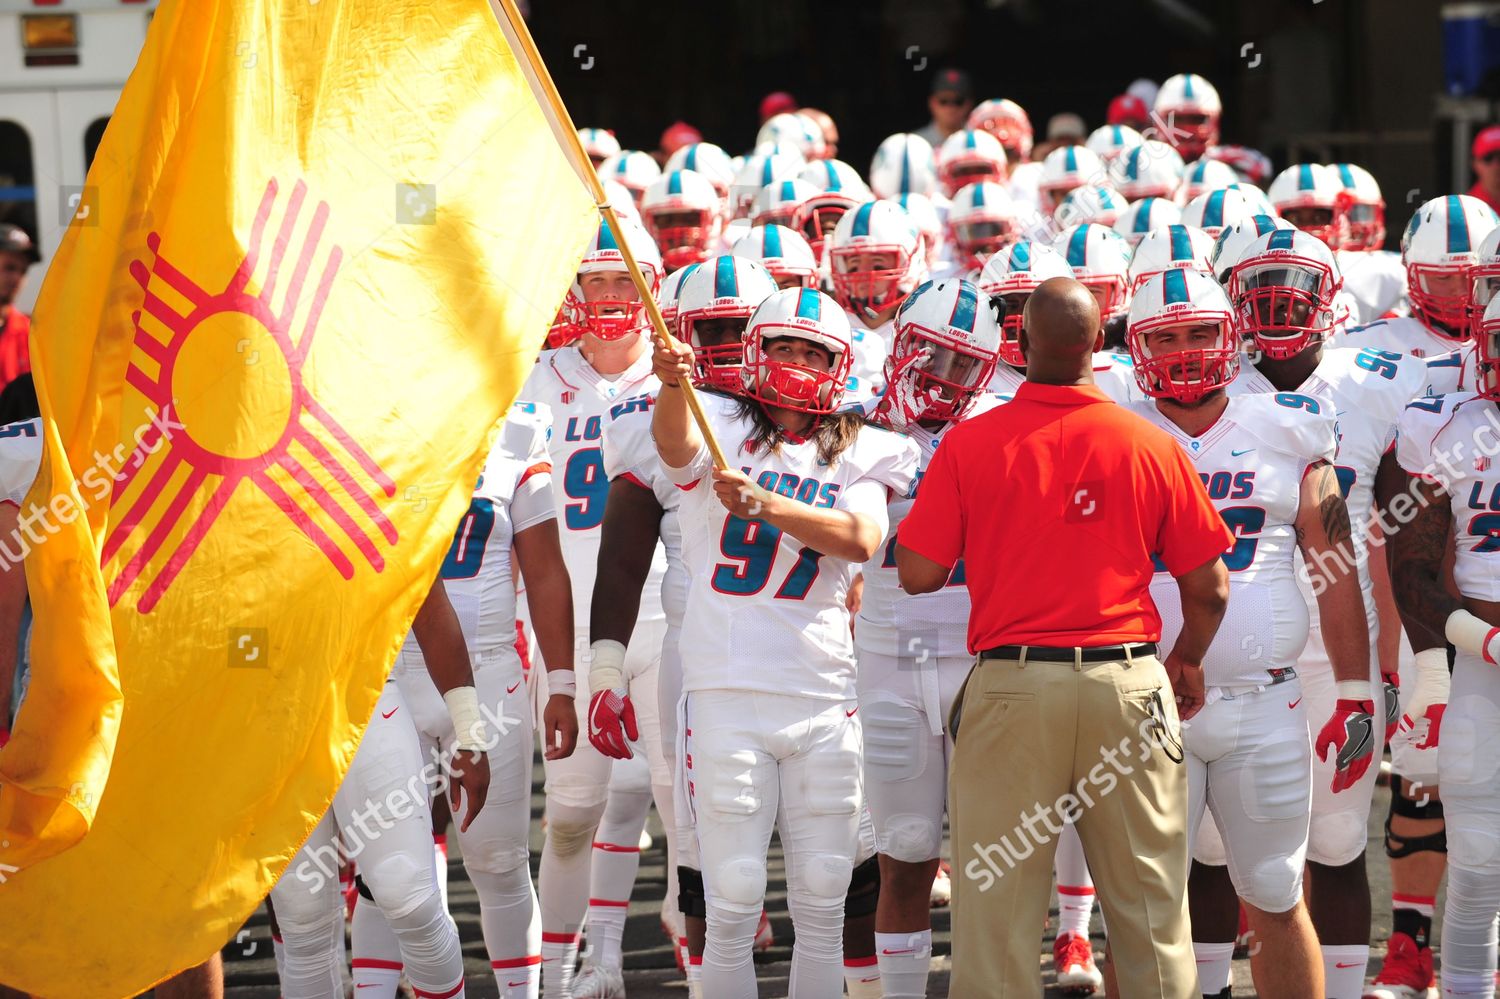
(1098,740)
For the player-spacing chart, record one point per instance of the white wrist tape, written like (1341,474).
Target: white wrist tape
(607,668)
(1470,633)
(1432,664)
(469,730)
(1353,690)
(562,681)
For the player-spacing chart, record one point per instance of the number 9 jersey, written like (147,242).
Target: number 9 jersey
(582,402)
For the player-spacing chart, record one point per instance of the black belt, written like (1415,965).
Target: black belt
(1048,654)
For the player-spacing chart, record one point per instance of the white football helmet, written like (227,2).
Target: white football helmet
(1255,196)
(1100,259)
(1307,195)
(1362,206)
(667,296)
(875,257)
(621,200)
(1140,217)
(1216,210)
(725,287)
(634,169)
(1066,168)
(1202,176)
(1250,165)
(903,164)
(943,354)
(968,156)
(789,150)
(1484,276)
(924,217)
(1111,141)
(1188,369)
(1173,247)
(708,160)
(981,220)
(1282,289)
(1190,107)
(599,144)
(837,176)
(807,314)
(1151,170)
(1090,203)
(1487,351)
(1233,240)
(758,170)
(1007,121)
(791,128)
(684,214)
(1440,248)
(604,315)
(783,252)
(1013,274)
(775,203)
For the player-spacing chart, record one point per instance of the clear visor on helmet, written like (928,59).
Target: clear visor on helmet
(818,223)
(988,233)
(1282,306)
(946,377)
(718,346)
(1184,359)
(1486,282)
(1487,355)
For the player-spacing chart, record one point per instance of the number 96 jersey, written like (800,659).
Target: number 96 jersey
(1455,440)
(1252,461)
(766,612)
(582,402)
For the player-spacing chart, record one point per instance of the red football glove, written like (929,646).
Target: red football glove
(1351,731)
(1392,686)
(612,723)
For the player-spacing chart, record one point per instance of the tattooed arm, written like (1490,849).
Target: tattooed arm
(1327,543)
(1417,563)
(1390,482)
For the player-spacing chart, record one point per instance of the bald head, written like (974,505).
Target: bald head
(1060,330)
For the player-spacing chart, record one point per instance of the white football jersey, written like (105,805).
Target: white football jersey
(1114,373)
(581,403)
(20,459)
(1454,371)
(1252,461)
(896,623)
(1375,280)
(1024,186)
(1005,381)
(871,347)
(1403,334)
(767,613)
(630,451)
(1451,437)
(1365,389)
(514,493)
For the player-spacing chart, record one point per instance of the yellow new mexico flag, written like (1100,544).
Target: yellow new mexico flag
(323,242)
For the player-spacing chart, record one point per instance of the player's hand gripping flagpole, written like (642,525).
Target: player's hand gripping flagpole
(515,28)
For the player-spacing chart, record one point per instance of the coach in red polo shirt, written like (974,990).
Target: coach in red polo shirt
(1057,502)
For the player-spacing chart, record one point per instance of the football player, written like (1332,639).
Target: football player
(1373,275)
(1189,107)
(599,378)
(876,259)
(769,713)
(1283,288)
(1446,444)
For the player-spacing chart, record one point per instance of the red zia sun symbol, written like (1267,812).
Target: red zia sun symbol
(229,388)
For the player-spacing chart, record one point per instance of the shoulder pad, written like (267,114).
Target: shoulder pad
(1289,422)
(1380,382)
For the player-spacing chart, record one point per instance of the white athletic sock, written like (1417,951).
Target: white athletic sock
(1344,970)
(616,858)
(1075,906)
(1214,960)
(694,966)
(376,952)
(512,927)
(904,959)
(862,977)
(559,958)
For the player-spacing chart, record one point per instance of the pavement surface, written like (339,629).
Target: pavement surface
(250,972)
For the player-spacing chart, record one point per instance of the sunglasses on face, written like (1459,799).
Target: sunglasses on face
(951,102)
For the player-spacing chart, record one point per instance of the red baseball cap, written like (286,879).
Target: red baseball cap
(1128,109)
(677,135)
(776,102)
(1487,141)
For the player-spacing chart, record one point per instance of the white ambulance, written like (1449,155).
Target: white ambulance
(63,64)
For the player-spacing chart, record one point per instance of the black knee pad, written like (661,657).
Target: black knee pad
(1397,846)
(864,890)
(690,897)
(359,882)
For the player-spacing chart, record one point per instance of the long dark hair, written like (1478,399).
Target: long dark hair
(832,433)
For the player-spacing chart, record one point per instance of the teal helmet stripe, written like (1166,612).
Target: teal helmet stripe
(809,304)
(726,281)
(1281,239)
(1174,286)
(1078,247)
(674,182)
(771,241)
(606,240)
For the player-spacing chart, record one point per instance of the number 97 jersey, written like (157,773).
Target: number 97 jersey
(1252,461)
